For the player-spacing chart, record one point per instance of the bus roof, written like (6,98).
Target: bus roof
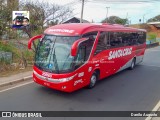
(76,29)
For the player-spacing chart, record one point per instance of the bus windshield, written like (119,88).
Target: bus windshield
(53,53)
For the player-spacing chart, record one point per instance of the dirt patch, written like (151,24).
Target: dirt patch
(150,28)
(15,71)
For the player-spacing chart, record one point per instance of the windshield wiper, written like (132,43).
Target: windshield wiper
(54,57)
(55,61)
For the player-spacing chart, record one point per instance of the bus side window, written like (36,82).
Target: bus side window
(102,43)
(133,40)
(89,43)
(90,34)
(141,38)
(127,39)
(115,39)
(124,39)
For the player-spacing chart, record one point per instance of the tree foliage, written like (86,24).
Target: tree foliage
(5,17)
(115,20)
(154,19)
(41,14)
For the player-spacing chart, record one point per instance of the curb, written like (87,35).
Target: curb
(16,81)
(153,45)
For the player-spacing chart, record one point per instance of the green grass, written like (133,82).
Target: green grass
(8,47)
(6,68)
(152,37)
(17,53)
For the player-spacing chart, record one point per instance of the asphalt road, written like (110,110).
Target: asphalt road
(129,90)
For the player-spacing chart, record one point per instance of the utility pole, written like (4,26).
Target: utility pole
(127,18)
(143,18)
(82,11)
(107,14)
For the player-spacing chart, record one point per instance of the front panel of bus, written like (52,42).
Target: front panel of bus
(55,67)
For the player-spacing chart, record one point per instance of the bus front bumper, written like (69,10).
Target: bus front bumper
(64,86)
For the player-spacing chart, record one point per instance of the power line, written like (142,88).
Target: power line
(127,0)
(123,1)
(72,3)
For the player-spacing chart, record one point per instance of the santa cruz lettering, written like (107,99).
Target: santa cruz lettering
(61,30)
(119,53)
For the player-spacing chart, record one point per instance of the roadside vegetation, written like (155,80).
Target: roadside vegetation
(22,58)
(14,41)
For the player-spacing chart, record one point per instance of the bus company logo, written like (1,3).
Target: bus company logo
(119,53)
(45,74)
(61,30)
(78,81)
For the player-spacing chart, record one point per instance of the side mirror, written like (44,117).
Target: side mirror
(32,40)
(74,48)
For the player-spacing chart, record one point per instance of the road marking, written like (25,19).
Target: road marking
(154,109)
(16,86)
(153,50)
(150,65)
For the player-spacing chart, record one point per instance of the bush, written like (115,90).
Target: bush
(29,56)
(9,47)
(152,37)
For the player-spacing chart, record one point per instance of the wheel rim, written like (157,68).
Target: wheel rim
(93,80)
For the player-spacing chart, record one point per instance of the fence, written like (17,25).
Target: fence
(158,39)
(6,56)
(153,45)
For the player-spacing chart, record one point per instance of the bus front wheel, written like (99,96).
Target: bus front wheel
(93,80)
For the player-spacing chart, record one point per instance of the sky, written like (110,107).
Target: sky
(95,10)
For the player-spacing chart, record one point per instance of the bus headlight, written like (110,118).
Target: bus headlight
(67,79)
(52,79)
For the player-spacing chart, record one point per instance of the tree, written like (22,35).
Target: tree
(5,17)
(42,13)
(154,19)
(115,20)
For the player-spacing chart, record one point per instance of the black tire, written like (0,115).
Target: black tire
(133,64)
(93,80)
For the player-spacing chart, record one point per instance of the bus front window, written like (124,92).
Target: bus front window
(53,53)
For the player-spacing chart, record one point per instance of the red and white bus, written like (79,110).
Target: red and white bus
(71,56)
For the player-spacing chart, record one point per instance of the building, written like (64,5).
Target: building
(155,24)
(75,20)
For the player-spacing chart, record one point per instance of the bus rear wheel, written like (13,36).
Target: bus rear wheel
(93,80)
(133,63)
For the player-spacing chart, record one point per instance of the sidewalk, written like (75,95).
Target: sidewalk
(15,78)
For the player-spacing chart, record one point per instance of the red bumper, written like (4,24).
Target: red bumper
(65,86)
